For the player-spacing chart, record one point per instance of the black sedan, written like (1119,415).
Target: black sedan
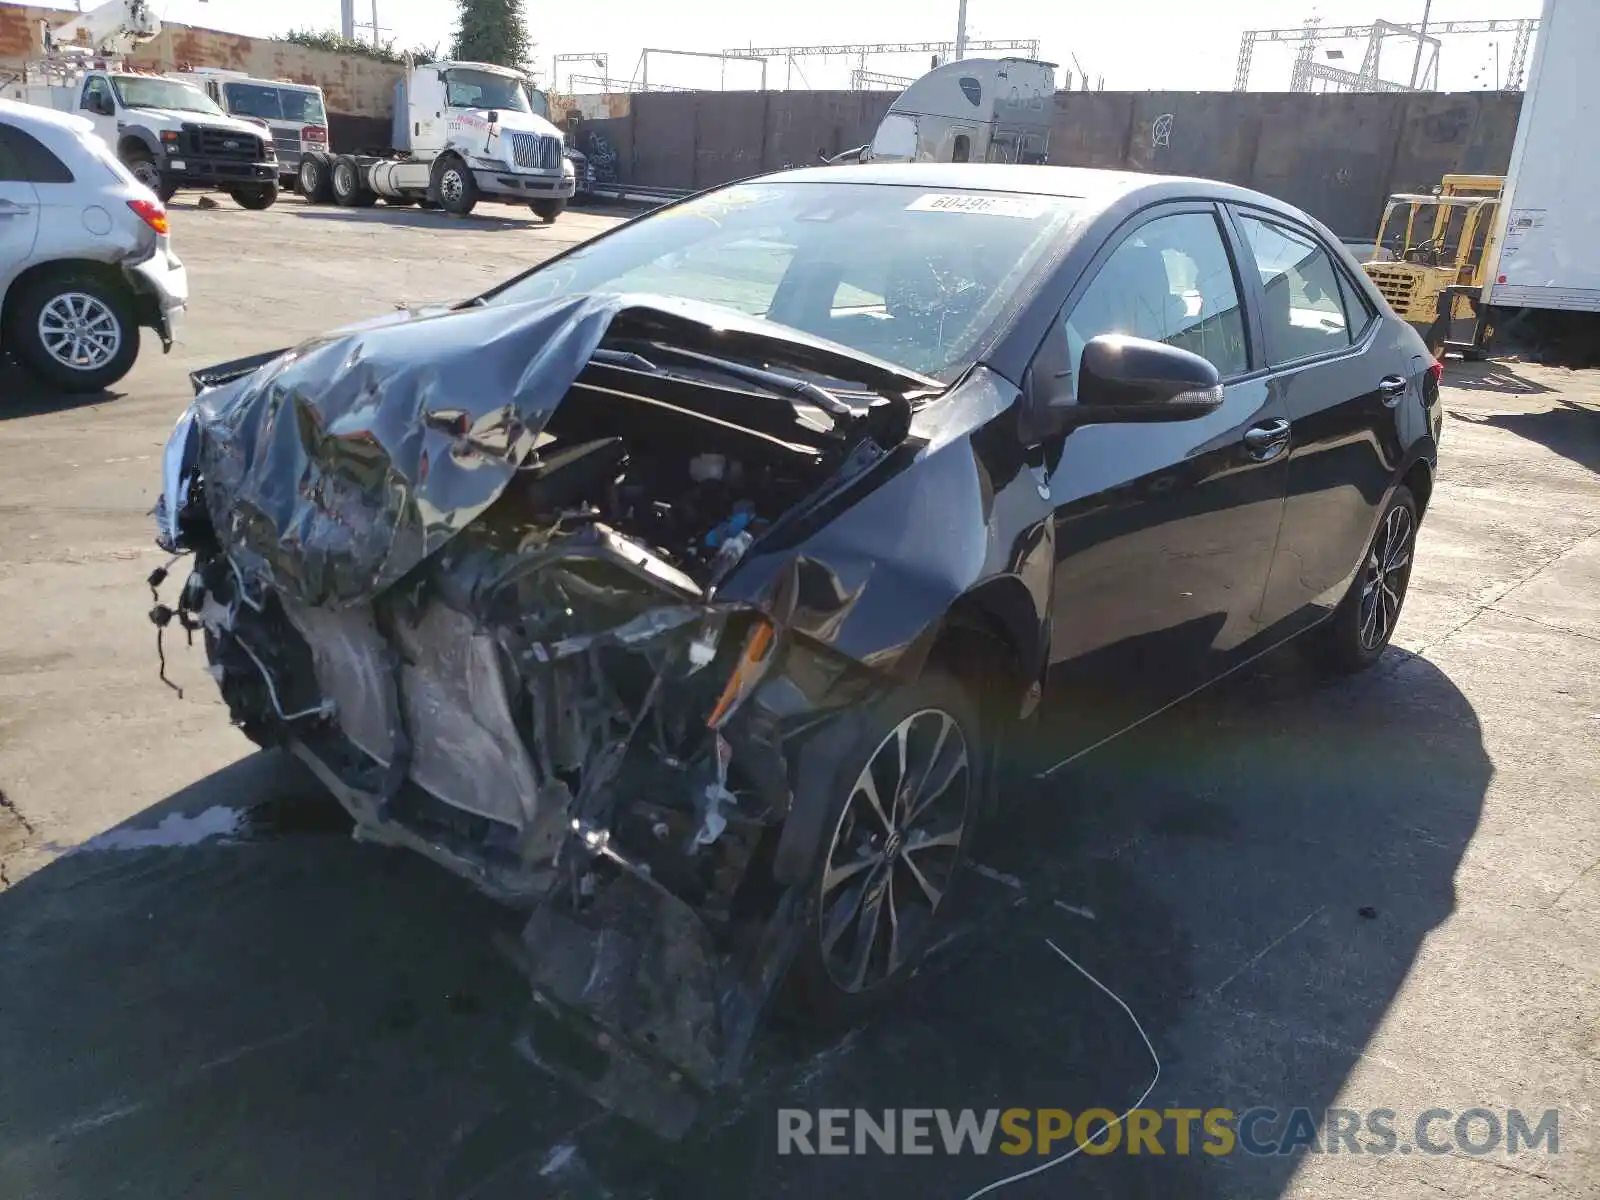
(696,588)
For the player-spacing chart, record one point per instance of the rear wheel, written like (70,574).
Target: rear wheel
(454,186)
(255,196)
(1361,627)
(316,184)
(906,797)
(548,210)
(74,331)
(349,184)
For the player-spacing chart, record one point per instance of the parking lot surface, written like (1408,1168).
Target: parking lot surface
(1380,893)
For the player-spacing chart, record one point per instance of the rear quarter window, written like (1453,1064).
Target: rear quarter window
(25,159)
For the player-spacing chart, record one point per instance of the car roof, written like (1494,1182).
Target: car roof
(1099,188)
(38,117)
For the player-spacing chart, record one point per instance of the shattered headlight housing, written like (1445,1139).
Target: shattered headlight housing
(178,464)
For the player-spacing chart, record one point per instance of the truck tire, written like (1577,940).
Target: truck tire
(255,196)
(316,182)
(143,166)
(74,330)
(349,184)
(548,210)
(453,185)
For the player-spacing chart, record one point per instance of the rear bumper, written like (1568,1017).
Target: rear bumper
(214,172)
(161,287)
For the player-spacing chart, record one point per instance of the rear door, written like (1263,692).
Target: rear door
(1164,532)
(19,202)
(1340,373)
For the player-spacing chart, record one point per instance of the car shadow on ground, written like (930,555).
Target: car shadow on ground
(23,396)
(286,1012)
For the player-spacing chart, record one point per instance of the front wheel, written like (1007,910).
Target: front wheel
(1361,627)
(74,331)
(255,197)
(454,186)
(142,165)
(906,796)
(548,210)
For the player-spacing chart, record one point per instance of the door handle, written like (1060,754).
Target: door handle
(1268,440)
(1393,388)
(9,208)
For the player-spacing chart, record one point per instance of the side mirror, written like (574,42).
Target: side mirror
(1128,379)
(493,117)
(100,105)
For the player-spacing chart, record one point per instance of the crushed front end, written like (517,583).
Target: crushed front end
(470,569)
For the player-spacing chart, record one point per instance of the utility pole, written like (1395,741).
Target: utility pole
(347,20)
(1416,63)
(961,30)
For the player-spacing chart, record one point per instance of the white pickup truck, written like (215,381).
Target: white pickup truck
(167,132)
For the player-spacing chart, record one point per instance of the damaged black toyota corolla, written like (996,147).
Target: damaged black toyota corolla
(690,588)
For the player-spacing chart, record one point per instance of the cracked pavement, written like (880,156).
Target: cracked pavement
(1377,893)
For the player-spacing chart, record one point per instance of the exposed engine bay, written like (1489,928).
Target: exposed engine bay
(469,567)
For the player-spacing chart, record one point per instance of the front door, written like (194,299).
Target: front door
(1341,373)
(1164,532)
(99,104)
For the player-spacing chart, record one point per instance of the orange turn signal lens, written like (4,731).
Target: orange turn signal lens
(746,674)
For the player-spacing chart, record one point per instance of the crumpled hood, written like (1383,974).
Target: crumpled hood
(338,467)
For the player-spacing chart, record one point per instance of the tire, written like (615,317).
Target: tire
(453,185)
(1360,629)
(349,184)
(316,182)
(841,974)
(427,205)
(108,337)
(548,210)
(255,197)
(143,165)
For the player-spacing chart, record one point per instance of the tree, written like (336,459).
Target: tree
(493,31)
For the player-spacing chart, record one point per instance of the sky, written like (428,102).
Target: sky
(1134,44)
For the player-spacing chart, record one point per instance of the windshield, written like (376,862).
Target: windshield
(147,91)
(274,104)
(914,276)
(467,88)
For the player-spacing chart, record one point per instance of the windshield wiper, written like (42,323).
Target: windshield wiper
(771,380)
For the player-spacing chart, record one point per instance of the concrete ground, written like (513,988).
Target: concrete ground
(1381,893)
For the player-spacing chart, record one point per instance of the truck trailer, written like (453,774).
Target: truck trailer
(1547,244)
(463,132)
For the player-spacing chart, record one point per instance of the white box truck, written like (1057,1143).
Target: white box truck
(1548,253)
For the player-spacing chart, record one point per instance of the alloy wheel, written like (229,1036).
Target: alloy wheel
(344,176)
(451,185)
(1384,577)
(80,331)
(895,850)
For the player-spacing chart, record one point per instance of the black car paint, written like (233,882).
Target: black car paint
(1127,563)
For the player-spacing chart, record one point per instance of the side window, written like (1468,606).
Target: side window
(97,96)
(25,159)
(1356,306)
(1170,280)
(1303,313)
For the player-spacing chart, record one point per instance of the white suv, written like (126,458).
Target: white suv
(85,256)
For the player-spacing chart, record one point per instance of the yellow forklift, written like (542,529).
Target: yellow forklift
(1439,243)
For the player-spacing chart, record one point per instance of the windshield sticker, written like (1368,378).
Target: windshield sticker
(1026,207)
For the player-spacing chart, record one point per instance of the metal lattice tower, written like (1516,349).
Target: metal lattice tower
(1308,36)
